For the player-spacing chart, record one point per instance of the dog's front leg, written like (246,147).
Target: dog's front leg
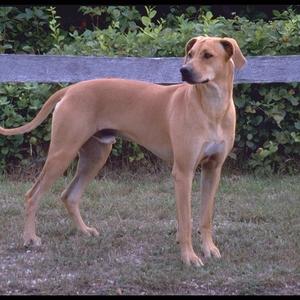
(183,185)
(210,177)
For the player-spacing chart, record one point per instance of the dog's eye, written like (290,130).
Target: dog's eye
(189,55)
(207,55)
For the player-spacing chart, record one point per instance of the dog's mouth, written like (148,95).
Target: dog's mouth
(204,81)
(190,81)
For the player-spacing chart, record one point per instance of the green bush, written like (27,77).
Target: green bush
(25,31)
(18,105)
(268,114)
(268,126)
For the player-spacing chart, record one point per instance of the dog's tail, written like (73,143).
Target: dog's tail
(39,118)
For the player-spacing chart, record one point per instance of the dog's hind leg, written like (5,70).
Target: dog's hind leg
(64,146)
(92,156)
(56,163)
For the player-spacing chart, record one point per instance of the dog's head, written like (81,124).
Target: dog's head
(209,58)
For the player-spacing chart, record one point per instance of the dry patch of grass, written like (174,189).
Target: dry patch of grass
(256,226)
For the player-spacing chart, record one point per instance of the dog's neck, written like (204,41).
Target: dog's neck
(215,97)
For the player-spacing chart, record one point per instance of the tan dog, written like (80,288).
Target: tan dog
(185,124)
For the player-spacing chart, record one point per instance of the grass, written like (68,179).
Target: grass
(256,226)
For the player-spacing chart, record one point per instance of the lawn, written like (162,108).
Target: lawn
(256,227)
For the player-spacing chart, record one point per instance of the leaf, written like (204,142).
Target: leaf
(293,100)
(146,21)
(276,13)
(33,140)
(250,144)
(262,153)
(3,100)
(8,46)
(273,147)
(47,137)
(152,14)
(27,48)
(250,109)
(278,118)
(277,114)
(249,136)
(297,125)
(209,15)
(240,101)
(295,137)
(4,151)
(232,155)
(257,120)
(282,137)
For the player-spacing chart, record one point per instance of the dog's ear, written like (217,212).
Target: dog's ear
(190,44)
(233,50)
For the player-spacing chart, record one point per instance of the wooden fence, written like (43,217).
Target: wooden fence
(165,70)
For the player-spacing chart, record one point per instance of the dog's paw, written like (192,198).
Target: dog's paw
(91,231)
(210,249)
(190,258)
(33,241)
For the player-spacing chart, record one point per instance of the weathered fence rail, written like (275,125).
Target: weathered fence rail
(165,70)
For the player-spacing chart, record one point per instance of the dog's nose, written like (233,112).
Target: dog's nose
(185,71)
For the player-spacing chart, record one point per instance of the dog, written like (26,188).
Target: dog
(187,124)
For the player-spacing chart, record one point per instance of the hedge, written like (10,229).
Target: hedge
(268,126)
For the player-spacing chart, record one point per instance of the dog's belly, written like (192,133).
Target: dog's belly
(158,146)
(165,153)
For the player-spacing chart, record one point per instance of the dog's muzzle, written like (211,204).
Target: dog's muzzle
(188,75)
